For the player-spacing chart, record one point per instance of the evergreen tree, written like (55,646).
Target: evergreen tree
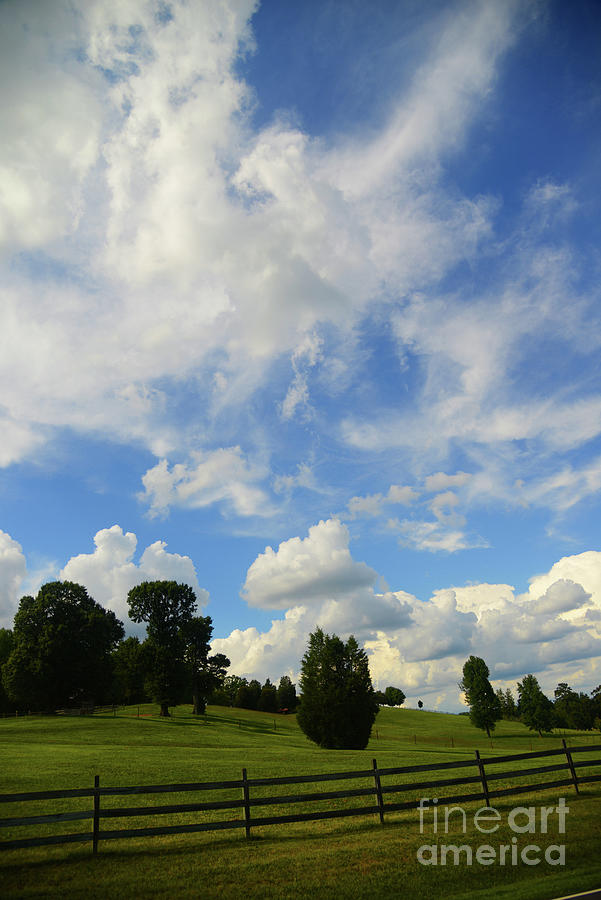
(287,698)
(268,698)
(484,704)
(536,710)
(511,709)
(338,707)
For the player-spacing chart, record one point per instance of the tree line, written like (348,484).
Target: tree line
(67,650)
(569,709)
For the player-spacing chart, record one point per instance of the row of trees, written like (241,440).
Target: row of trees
(65,649)
(569,710)
(244,694)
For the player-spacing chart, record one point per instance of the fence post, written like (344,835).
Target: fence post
(378,791)
(571,765)
(96,820)
(246,795)
(483,777)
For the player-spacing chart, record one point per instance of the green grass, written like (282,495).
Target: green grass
(335,858)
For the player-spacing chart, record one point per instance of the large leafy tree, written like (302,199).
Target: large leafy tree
(167,608)
(394,696)
(62,642)
(129,672)
(535,708)
(338,706)
(484,704)
(248,693)
(573,710)
(6,646)
(206,672)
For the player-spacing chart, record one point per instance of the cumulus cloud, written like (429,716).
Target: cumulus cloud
(109,572)
(13,569)
(307,570)
(420,645)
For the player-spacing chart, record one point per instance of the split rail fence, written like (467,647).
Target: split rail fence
(485,772)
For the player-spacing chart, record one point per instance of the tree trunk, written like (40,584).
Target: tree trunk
(165,709)
(198,704)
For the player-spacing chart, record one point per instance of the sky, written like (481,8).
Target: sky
(300,306)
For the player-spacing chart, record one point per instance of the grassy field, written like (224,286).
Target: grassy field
(355,857)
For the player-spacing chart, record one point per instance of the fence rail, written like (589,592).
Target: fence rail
(246,803)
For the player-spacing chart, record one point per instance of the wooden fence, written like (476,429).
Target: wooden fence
(484,772)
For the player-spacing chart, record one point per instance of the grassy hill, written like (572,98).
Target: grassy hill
(334,858)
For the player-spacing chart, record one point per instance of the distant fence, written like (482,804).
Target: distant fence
(245,803)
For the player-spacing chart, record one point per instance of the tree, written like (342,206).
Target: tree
(63,640)
(536,710)
(167,608)
(394,696)
(484,704)
(6,647)
(230,687)
(206,672)
(573,710)
(596,701)
(129,672)
(287,698)
(268,698)
(507,703)
(338,707)
(511,710)
(247,695)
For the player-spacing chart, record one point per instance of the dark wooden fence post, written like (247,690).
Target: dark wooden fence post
(246,795)
(570,764)
(378,790)
(96,825)
(483,777)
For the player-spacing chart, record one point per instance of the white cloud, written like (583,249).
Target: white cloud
(13,569)
(421,646)
(307,570)
(109,572)
(304,478)
(195,246)
(373,504)
(562,596)
(222,476)
(306,355)
(51,123)
(440,481)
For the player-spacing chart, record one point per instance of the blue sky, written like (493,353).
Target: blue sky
(300,305)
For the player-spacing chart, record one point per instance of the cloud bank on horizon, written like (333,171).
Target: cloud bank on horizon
(344,302)
(553,629)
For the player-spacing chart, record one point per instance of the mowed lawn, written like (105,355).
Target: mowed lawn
(352,857)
